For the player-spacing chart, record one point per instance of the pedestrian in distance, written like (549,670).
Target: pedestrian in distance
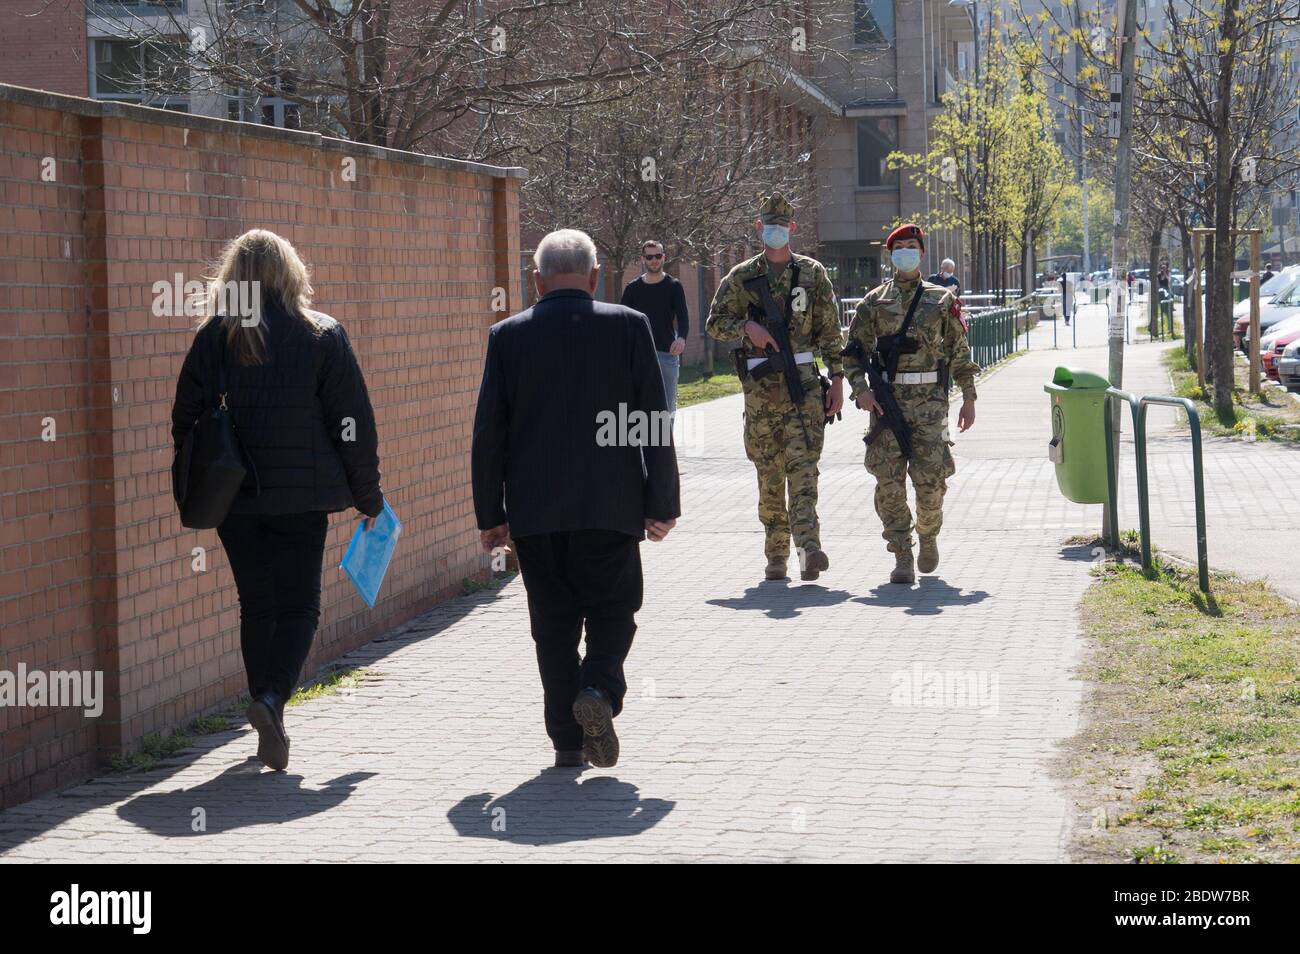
(661,298)
(947,276)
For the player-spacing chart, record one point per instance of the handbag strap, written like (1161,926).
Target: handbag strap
(222,390)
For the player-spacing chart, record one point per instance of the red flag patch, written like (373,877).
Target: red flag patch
(955,311)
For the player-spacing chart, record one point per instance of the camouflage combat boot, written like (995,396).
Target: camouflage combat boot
(812,564)
(775,568)
(903,571)
(928,560)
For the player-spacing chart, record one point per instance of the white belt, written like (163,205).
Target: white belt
(800,357)
(916,377)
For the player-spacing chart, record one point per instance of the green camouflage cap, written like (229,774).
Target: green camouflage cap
(775,209)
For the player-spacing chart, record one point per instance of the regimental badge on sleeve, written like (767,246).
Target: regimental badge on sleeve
(955,310)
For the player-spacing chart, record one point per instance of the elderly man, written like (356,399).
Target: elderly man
(947,276)
(569,463)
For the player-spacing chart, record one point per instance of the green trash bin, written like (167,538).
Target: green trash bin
(1078,445)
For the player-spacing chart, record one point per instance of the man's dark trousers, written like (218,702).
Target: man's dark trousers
(572,577)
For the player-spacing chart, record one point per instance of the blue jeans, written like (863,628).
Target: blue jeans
(670,366)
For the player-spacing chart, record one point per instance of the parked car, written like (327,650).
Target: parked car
(1285,305)
(1268,336)
(1288,366)
(1275,286)
(1274,346)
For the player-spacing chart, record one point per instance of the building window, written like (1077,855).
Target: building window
(873,22)
(144,7)
(150,72)
(253,107)
(877,138)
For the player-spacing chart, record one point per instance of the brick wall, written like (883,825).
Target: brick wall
(96,571)
(43,43)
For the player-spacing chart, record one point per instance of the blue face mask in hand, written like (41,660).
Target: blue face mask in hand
(906,259)
(776,236)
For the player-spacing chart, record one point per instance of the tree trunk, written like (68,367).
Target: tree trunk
(1153,302)
(1185,238)
(1219,326)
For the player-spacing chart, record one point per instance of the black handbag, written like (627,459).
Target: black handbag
(211,465)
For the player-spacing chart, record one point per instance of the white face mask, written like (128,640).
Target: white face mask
(906,259)
(776,236)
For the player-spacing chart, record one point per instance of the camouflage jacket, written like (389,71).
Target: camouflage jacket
(815,327)
(937,327)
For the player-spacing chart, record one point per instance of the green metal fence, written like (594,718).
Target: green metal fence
(992,335)
(1138,408)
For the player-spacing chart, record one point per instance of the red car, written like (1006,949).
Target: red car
(1269,358)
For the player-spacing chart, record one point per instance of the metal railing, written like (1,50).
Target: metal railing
(1138,408)
(992,335)
(847,307)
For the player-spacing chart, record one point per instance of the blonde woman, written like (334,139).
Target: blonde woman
(299,404)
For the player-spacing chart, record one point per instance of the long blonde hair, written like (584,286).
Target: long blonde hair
(256,269)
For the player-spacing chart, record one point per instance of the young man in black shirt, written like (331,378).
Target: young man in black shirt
(660,297)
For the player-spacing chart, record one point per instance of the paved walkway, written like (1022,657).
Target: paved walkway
(765,721)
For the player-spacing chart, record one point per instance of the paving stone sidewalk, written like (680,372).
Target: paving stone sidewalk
(764,722)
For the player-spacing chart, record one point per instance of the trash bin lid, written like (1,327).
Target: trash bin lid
(1076,379)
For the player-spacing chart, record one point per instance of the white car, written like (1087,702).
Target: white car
(1284,307)
(1279,284)
(1268,339)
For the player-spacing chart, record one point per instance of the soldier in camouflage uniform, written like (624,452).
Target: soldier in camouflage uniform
(921,389)
(785,444)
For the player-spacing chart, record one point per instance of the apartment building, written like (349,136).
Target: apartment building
(98,49)
(897,61)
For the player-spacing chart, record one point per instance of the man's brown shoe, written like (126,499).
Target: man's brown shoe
(814,562)
(596,716)
(928,559)
(775,568)
(903,571)
(569,758)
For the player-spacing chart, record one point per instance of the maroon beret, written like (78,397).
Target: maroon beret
(908,231)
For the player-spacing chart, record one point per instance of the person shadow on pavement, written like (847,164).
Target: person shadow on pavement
(928,597)
(555,808)
(241,796)
(777,599)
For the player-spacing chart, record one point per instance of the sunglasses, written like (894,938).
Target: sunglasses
(653,258)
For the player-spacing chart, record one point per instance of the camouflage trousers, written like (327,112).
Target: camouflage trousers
(785,462)
(930,467)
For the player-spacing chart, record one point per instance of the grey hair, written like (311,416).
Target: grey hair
(565,252)
(948,261)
